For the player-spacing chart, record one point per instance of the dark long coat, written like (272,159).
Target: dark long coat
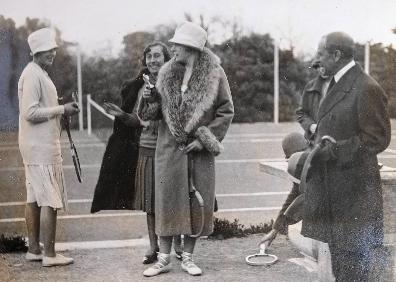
(307,111)
(344,205)
(116,184)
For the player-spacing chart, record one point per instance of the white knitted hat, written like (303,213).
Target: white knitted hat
(191,35)
(42,40)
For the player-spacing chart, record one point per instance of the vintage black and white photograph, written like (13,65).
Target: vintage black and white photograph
(205,140)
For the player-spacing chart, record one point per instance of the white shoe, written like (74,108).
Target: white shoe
(57,260)
(161,266)
(33,257)
(189,266)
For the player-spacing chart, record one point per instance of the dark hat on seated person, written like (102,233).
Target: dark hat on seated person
(294,142)
(295,164)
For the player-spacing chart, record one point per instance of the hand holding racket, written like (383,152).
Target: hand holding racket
(269,237)
(70,109)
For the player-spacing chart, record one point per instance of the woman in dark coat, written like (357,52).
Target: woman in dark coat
(126,179)
(114,190)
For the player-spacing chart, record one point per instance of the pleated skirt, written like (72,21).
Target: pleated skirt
(144,181)
(45,184)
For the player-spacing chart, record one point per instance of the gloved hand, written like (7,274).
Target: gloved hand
(325,154)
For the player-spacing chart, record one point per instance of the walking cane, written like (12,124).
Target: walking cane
(194,195)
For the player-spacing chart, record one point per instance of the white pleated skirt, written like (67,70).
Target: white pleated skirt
(45,184)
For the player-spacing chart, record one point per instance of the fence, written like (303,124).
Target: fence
(102,132)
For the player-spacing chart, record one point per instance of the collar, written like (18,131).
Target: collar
(343,71)
(36,65)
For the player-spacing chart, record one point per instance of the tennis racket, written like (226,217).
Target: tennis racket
(261,258)
(74,154)
(196,202)
(73,150)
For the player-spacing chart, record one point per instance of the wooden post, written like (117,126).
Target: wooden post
(79,88)
(276,82)
(89,121)
(367,57)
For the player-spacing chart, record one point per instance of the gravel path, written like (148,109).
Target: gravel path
(220,261)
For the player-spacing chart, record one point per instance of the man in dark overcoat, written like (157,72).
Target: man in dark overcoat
(307,111)
(343,200)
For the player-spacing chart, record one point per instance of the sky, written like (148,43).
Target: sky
(100,25)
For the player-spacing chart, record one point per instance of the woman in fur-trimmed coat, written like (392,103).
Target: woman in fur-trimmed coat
(195,108)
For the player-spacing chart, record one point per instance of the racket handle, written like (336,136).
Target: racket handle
(199,198)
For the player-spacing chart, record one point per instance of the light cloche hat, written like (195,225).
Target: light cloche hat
(42,40)
(191,35)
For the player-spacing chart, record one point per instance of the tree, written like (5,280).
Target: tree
(249,65)
(14,55)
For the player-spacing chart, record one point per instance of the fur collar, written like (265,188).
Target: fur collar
(183,114)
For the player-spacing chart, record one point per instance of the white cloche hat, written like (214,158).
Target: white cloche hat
(191,35)
(42,40)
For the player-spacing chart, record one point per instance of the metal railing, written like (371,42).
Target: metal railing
(90,103)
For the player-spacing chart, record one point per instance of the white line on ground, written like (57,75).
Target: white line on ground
(250,209)
(78,216)
(89,141)
(92,166)
(252,194)
(79,201)
(390,151)
(243,135)
(19,168)
(133,214)
(387,156)
(101,145)
(11,204)
(257,140)
(232,138)
(89,166)
(63,146)
(62,141)
(107,244)
(248,161)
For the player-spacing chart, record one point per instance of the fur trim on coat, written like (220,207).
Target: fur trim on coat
(208,140)
(183,114)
